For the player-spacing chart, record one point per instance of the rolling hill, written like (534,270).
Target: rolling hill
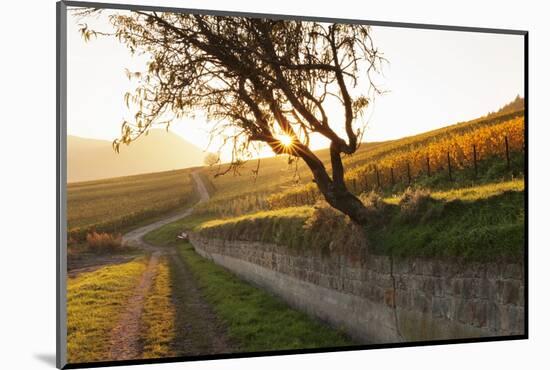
(91,159)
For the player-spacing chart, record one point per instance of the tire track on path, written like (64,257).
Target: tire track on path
(124,341)
(125,337)
(198,330)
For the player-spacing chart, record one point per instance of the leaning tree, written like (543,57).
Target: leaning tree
(263,80)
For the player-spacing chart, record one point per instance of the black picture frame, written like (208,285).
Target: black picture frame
(61,175)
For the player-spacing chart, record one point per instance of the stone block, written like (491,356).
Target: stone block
(480,315)
(324,280)
(517,326)
(493,316)
(428,286)
(422,303)
(521,300)
(439,290)
(511,292)
(457,287)
(484,289)
(469,288)
(401,282)
(507,318)
(441,307)
(466,311)
(401,266)
(437,269)
(513,271)
(389,297)
(402,299)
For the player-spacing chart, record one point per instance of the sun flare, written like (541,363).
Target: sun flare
(285,140)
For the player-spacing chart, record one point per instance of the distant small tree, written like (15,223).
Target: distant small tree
(211,159)
(263,80)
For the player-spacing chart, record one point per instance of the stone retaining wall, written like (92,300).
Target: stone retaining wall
(377,300)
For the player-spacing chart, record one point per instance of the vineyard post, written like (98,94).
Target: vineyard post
(507,151)
(408,173)
(428,165)
(449,165)
(366,182)
(475,160)
(377,176)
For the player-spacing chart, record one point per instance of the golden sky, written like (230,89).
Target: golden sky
(433,79)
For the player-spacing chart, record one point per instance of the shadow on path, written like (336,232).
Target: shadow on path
(198,330)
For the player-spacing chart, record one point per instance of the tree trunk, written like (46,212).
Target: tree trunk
(334,191)
(347,203)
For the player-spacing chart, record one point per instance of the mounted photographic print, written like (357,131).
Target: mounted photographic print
(235,185)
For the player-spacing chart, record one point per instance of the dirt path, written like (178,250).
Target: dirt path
(90,262)
(198,330)
(135,237)
(125,335)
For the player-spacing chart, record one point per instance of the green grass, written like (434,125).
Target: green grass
(166,235)
(115,205)
(256,320)
(282,226)
(94,303)
(490,170)
(472,193)
(484,191)
(275,215)
(488,228)
(481,223)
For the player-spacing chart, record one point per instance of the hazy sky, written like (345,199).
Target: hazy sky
(433,79)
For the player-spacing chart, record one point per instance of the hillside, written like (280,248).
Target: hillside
(280,185)
(292,186)
(112,205)
(517,104)
(91,159)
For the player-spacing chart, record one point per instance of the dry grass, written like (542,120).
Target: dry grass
(376,208)
(159,316)
(104,242)
(330,230)
(415,204)
(94,302)
(320,227)
(112,205)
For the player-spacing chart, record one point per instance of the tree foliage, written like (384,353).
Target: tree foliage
(211,159)
(270,81)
